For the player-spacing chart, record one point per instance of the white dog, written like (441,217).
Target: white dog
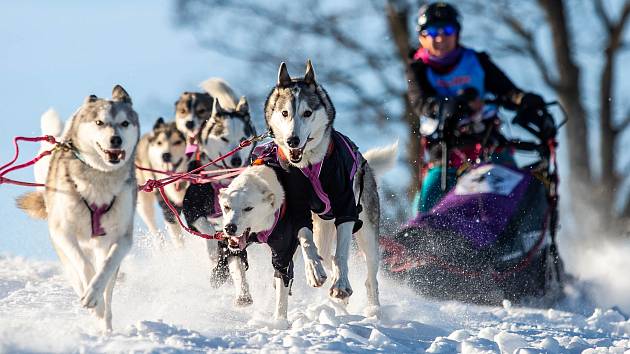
(90,198)
(267,204)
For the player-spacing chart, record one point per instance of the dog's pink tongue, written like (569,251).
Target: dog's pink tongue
(240,241)
(191,148)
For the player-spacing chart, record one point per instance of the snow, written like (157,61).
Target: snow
(163,303)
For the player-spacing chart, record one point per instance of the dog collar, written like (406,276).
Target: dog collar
(96,213)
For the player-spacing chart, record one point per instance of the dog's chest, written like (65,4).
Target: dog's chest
(102,204)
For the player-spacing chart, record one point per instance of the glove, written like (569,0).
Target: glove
(532,102)
(534,117)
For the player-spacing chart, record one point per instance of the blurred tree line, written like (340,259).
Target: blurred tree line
(360,49)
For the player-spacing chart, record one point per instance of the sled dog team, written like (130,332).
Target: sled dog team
(309,187)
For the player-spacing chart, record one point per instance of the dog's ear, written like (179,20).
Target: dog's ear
(222,196)
(158,123)
(270,198)
(284,79)
(90,99)
(309,75)
(216,107)
(242,106)
(120,95)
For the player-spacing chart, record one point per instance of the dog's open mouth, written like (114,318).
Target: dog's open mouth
(239,242)
(113,155)
(296,154)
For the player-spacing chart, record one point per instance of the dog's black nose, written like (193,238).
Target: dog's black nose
(115,141)
(166,157)
(293,142)
(190,124)
(236,161)
(230,229)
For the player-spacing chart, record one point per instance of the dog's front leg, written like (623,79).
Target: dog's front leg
(315,273)
(94,293)
(78,268)
(237,270)
(282,301)
(341,285)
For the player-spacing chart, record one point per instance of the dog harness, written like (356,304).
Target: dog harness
(313,172)
(331,181)
(96,213)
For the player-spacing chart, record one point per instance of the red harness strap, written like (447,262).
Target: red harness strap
(5,168)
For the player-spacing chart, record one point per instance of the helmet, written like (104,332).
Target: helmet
(436,14)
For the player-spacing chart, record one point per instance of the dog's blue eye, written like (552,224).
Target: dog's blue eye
(307,113)
(125,124)
(99,122)
(249,208)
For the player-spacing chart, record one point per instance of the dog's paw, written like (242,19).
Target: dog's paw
(341,289)
(279,323)
(373,311)
(315,273)
(92,297)
(243,300)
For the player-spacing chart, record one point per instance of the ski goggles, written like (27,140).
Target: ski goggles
(433,32)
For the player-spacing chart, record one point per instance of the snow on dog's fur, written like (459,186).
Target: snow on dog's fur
(90,198)
(162,149)
(300,115)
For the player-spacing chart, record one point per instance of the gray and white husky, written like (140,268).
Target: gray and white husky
(162,149)
(192,110)
(300,114)
(229,124)
(90,198)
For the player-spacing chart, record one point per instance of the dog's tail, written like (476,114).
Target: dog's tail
(219,88)
(51,123)
(382,159)
(33,204)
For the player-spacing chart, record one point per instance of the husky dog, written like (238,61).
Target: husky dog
(51,125)
(257,207)
(90,198)
(162,149)
(300,115)
(192,109)
(228,125)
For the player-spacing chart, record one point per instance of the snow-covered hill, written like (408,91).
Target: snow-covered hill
(163,303)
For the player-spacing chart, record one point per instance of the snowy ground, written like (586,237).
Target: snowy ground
(164,304)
